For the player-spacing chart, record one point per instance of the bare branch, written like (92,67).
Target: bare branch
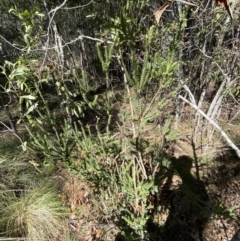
(80,6)
(223,133)
(12,45)
(96,39)
(58,7)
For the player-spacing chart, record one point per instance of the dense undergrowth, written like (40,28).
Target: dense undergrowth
(94,147)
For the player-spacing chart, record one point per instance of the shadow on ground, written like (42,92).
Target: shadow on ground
(188,204)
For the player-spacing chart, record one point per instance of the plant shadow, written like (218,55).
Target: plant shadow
(188,203)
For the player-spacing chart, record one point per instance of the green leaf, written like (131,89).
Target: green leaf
(26,14)
(24,146)
(39,14)
(2,160)
(28,97)
(20,71)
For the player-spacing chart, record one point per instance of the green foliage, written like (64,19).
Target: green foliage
(122,29)
(225,212)
(106,58)
(136,190)
(107,112)
(22,76)
(55,144)
(30,24)
(120,167)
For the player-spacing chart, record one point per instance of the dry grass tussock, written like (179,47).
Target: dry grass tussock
(37,215)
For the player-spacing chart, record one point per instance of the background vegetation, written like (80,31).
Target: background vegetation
(114,127)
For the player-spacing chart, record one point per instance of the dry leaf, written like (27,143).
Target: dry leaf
(224,3)
(158,13)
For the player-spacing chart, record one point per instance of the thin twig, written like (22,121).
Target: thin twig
(80,6)
(185,2)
